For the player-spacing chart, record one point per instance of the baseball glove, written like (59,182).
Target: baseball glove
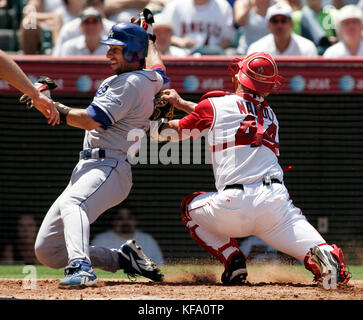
(163,109)
(44,84)
(164,112)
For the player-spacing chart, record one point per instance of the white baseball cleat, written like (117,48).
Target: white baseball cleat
(331,265)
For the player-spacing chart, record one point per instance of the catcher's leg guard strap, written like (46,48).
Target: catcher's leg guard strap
(337,253)
(222,253)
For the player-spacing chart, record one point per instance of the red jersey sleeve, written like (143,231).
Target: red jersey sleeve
(201,118)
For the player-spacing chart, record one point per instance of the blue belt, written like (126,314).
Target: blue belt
(92,154)
(98,153)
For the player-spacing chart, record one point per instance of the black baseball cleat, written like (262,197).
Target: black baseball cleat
(236,271)
(134,262)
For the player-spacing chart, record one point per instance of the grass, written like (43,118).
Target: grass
(42,272)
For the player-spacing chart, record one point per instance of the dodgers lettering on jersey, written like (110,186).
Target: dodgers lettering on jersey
(122,103)
(232,126)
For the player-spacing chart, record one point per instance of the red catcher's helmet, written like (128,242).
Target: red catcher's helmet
(258,72)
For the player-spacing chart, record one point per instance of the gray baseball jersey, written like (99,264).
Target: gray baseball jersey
(124,107)
(100,180)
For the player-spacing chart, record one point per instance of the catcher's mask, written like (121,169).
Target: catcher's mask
(257,71)
(133,37)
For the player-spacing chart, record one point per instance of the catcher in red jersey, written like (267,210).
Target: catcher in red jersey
(251,199)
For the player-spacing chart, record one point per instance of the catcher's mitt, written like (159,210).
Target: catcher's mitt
(44,84)
(164,112)
(163,109)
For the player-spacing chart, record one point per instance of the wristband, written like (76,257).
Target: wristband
(63,112)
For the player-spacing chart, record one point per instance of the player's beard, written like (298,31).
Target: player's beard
(123,68)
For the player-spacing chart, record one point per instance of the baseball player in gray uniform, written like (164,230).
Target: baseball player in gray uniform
(102,178)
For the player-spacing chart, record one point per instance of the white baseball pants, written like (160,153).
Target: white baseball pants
(263,211)
(95,186)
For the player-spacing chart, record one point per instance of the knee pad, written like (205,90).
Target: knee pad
(184,206)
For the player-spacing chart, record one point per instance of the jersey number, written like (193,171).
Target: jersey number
(246,134)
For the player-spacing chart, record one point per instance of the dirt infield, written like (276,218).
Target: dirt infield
(144,290)
(261,285)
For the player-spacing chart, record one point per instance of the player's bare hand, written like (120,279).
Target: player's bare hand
(47,107)
(171,96)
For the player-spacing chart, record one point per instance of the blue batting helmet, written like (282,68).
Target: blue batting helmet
(133,37)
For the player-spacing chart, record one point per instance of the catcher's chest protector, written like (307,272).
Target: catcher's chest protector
(231,139)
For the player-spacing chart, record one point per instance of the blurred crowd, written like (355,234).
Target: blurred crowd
(329,28)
